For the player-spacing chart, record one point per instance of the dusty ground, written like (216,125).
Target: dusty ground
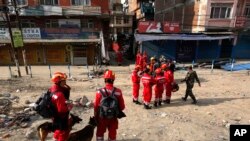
(223,99)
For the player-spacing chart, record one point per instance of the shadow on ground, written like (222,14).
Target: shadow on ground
(201,102)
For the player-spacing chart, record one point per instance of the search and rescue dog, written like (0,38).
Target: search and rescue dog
(44,129)
(86,133)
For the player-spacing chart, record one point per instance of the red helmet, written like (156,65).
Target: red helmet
(158,71)
(58,77)
(109,74)
(137,67)
(164,66)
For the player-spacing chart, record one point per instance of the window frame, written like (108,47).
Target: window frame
(89,23)
(81,2)
(219,7)
(51,23)
(52,2)
(247,11)
(29,23)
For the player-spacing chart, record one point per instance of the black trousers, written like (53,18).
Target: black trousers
(189,92)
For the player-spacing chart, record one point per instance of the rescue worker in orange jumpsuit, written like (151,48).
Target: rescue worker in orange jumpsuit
(148,82)
(61,119)
(136,84)
(169,76)
(144,60)
(151,65)
(119,58)
(159,87)
(107,123)
(138,58)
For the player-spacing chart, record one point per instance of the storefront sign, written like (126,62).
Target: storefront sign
(68,33)
(171,27)
(158,27)
(4,33)
(31,33)
(17,38)
(69,23)
(150,27)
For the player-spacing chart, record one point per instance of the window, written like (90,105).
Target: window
(28,23)
(2,24)
(81,2)
(126,20)
(126,30)
(247,11)
(51,24)
(21,2)
(85,23)
(118,20)
(49,2)
(220,11)
(118,30)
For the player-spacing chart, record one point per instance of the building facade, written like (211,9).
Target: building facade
(213,29)
(58,31)
(121,22)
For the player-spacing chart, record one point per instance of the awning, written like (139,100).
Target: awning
(151,37)
(55,41)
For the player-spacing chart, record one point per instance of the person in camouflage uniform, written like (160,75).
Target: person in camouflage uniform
(189,79)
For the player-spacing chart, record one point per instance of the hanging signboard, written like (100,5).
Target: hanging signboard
(149,27)
(158,27)
(17,38)
(171,27)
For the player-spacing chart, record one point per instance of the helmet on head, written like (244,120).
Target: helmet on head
(158,71)
(109,74)
(137,67)
(58,77)
(152,58)
(164,66)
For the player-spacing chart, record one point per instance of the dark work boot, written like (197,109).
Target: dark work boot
(184,99)
(159,103)
(194,99)
(155,104)
(136,102)
(194,102)
(168,101)
(147,106)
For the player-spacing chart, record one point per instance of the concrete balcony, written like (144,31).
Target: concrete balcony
(220,23)
(81,10)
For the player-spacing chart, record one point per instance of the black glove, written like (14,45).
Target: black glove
(121,115)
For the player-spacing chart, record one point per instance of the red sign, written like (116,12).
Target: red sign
(149,27)
(171,27)
(240,22)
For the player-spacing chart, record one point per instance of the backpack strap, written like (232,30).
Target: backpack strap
(105,95)
(113,92)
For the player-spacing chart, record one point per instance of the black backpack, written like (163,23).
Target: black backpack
(45,107)
(109,107)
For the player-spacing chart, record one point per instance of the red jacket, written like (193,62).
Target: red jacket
(169,75)
(118,94)
(135,78)
(148,82)
(160,81)
(59,100)
(138,58)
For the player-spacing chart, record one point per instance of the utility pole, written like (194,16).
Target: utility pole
(20,28)
(11,37)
